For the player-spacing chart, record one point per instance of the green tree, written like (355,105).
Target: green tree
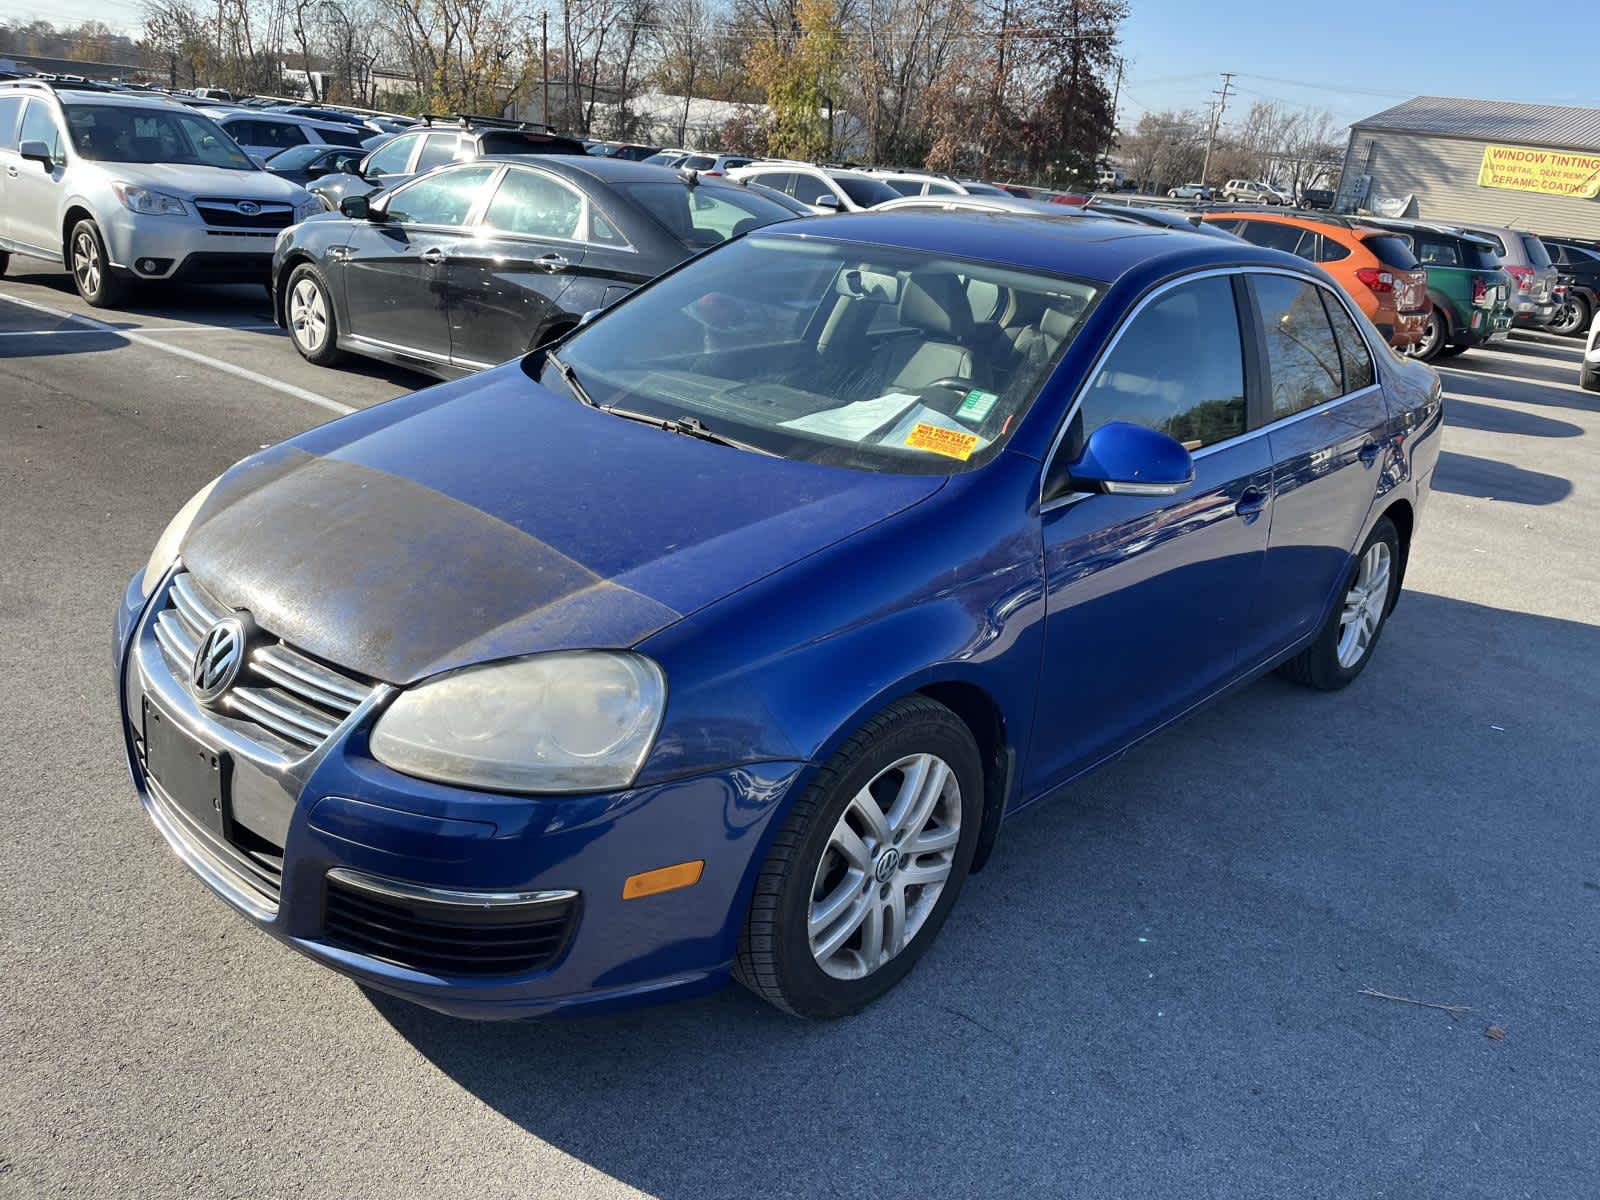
(799,74)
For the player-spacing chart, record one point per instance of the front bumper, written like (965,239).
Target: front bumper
(339,810)
(187,250)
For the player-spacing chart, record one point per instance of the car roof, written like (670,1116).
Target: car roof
(70,95)
(1102,250)
(605,168)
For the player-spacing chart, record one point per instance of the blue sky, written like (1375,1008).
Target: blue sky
(1353,57)
(1357,57)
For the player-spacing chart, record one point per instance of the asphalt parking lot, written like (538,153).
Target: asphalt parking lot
(1153,991)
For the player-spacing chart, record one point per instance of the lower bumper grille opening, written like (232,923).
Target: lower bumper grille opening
(447,939)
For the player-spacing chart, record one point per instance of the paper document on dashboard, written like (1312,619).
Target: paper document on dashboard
(853,422)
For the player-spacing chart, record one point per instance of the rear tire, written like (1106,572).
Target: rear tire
(1589,378)
(91,268)
(1435,332)
(846,902)
(1573,318)
(1347,640)
(308,313)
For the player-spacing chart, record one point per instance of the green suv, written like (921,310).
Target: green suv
(1470,290)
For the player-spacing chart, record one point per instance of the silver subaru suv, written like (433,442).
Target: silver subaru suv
(119,186)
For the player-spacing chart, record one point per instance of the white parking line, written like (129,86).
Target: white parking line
(146,329)
(142,339)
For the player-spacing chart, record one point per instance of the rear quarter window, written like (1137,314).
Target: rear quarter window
(1391,250)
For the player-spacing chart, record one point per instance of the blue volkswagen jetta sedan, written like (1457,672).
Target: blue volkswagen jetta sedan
(721,637)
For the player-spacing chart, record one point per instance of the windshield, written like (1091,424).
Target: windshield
(704,215)
(865,356)
(117,133)
(865,192)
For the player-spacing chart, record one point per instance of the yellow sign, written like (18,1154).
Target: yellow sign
(1552,172)
(951,443)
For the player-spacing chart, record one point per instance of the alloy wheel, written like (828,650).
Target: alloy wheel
(887,861)
(308,316)
(86,262)
(1570,319)
(1363,606)
(1428,345)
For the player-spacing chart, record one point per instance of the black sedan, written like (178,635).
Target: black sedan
(477,263)
(302,164)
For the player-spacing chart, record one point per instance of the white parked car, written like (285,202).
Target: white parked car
(262,134)
(124,186)
(1589,373)
(821,189)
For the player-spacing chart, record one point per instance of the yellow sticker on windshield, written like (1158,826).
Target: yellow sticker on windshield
(952,443)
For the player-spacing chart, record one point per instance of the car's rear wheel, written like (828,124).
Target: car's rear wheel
(868,864)
(1572,318)
(1427,347)
(308,308)
(1346,641)
(92,273)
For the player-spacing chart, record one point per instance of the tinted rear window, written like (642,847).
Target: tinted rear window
(1392,251)
(511,142)
(1537,254)
(866,192)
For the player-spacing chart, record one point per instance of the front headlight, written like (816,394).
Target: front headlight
(568,721)
(308,208)
(171,538)
(150,203)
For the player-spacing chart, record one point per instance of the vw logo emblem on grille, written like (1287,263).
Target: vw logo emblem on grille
(217,659)
(248,207)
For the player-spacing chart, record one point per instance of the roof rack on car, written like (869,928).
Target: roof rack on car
(69,83)
(468,120)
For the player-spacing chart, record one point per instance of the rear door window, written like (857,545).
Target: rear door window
(1178,367)
(808,189)
(1302,355)
(531,203)
(1354,356)
(1274,235)
(438,149)
(1391,250)
(340,137)
(779,181)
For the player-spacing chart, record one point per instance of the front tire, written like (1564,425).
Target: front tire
(91,268)
(1572,319)
(1589,378)
(308,311)
(1345,643)
(868,864)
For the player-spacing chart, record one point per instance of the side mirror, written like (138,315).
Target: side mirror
(37,152)
(1122,459)
(829,201)
(357,208)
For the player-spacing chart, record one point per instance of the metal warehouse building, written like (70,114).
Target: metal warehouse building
(1530,166)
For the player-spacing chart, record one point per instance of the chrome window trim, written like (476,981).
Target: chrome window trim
(1127,321)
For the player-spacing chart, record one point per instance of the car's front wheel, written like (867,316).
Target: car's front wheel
(1572,318)
(868,864)
(309,310)
(92,273)
(1346,641)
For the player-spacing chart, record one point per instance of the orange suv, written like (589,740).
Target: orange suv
(1375,266)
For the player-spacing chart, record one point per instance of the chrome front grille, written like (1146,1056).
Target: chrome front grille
(281,696)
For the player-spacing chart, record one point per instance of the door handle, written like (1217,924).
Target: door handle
(433,256)
(11,171)
(1369,454)
(1251,503)
(551,263)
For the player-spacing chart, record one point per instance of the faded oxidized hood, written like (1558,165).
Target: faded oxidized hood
(490,517)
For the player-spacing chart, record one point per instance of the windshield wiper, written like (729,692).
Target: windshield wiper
(688,427)
(570,378)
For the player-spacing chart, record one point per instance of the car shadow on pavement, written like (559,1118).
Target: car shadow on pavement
(1500,387)
(1490,479)
(1157,978)
(1526,370)
(1460,413)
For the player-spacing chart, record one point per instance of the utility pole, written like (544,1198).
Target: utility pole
(1116,97)
(1216,118)
(544,64)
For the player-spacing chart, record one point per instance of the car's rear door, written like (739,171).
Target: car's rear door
(392,271)
(1327,427)
(1150,598)
(506,279)
(10,160)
